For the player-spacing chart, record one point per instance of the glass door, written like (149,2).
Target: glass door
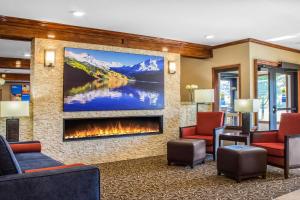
(228,92)
(277,91)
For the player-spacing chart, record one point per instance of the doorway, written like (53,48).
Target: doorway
(277,90)
(227,87)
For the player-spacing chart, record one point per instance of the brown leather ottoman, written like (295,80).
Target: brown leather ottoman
(186,151)
(241,161)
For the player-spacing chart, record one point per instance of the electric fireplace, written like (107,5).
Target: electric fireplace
(88,128)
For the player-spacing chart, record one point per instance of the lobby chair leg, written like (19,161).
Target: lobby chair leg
(286,173)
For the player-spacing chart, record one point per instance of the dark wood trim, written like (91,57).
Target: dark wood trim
(26,29)
(231,43)
(215,83)
(11,63)
(257,42)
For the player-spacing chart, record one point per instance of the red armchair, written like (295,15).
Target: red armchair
(283,145)
(209,126)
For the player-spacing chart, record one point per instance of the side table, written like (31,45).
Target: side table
(235,137)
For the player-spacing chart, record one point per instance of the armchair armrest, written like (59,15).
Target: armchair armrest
(292,149)
(187,131)
(25,147)
(68,184)
(263,136)
(217,132)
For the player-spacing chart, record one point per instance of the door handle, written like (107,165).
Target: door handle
(274,109)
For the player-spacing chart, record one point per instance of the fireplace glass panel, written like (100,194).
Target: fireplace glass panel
(109,127)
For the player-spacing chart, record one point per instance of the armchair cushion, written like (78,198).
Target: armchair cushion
(273,149)
(208,139)
(8,162)
(25,147)
(289,125)
(208,121)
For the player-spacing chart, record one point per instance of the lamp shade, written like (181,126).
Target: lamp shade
(204,95)
(246,105)
(14,108)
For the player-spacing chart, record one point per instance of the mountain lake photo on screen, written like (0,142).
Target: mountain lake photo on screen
(96,80)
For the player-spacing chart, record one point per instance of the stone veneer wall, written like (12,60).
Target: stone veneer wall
(47,97)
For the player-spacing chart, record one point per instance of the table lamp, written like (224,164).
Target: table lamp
(246,107)
(204,96)
(12,110)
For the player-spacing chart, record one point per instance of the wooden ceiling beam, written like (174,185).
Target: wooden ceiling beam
(17,77)
(25,29)
(12,63)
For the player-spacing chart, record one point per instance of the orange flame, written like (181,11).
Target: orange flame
(113,129)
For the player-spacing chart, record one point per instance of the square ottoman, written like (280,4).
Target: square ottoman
(186,151)
(241,161)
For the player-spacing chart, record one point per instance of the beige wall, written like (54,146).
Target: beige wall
(262,52)
(197,71)
(47,97)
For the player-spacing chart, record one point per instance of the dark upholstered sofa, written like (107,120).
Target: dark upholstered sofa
(26,174)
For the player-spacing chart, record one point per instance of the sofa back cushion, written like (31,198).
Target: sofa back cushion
(8,162)
(289,125)
(208,121)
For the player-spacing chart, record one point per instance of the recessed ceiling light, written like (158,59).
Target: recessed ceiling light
(286,37)
(27,55)
(209,37)
(78,13)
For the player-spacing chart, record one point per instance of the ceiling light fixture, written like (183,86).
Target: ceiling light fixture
(286,37)
(78,13)
(208,37)
(165,49)
(27,55)
(18,64)
(51,36)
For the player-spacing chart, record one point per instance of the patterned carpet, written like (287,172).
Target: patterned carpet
(152,178)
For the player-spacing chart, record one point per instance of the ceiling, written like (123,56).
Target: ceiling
(188,20)
(14,49)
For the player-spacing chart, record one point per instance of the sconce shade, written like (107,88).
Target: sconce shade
(14,108)
(49,58)
(204,95)
(172,67)
(246,105)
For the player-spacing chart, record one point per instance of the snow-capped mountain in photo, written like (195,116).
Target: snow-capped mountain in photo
(84,57)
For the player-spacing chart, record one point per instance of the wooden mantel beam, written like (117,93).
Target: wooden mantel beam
(25,29)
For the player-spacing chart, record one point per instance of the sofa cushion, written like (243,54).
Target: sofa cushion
(8,162)
(289,125)
(208,139)
(274,149)
(208,121)
(35,160)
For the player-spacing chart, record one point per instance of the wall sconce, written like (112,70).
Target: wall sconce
(49,58)
(172,67)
